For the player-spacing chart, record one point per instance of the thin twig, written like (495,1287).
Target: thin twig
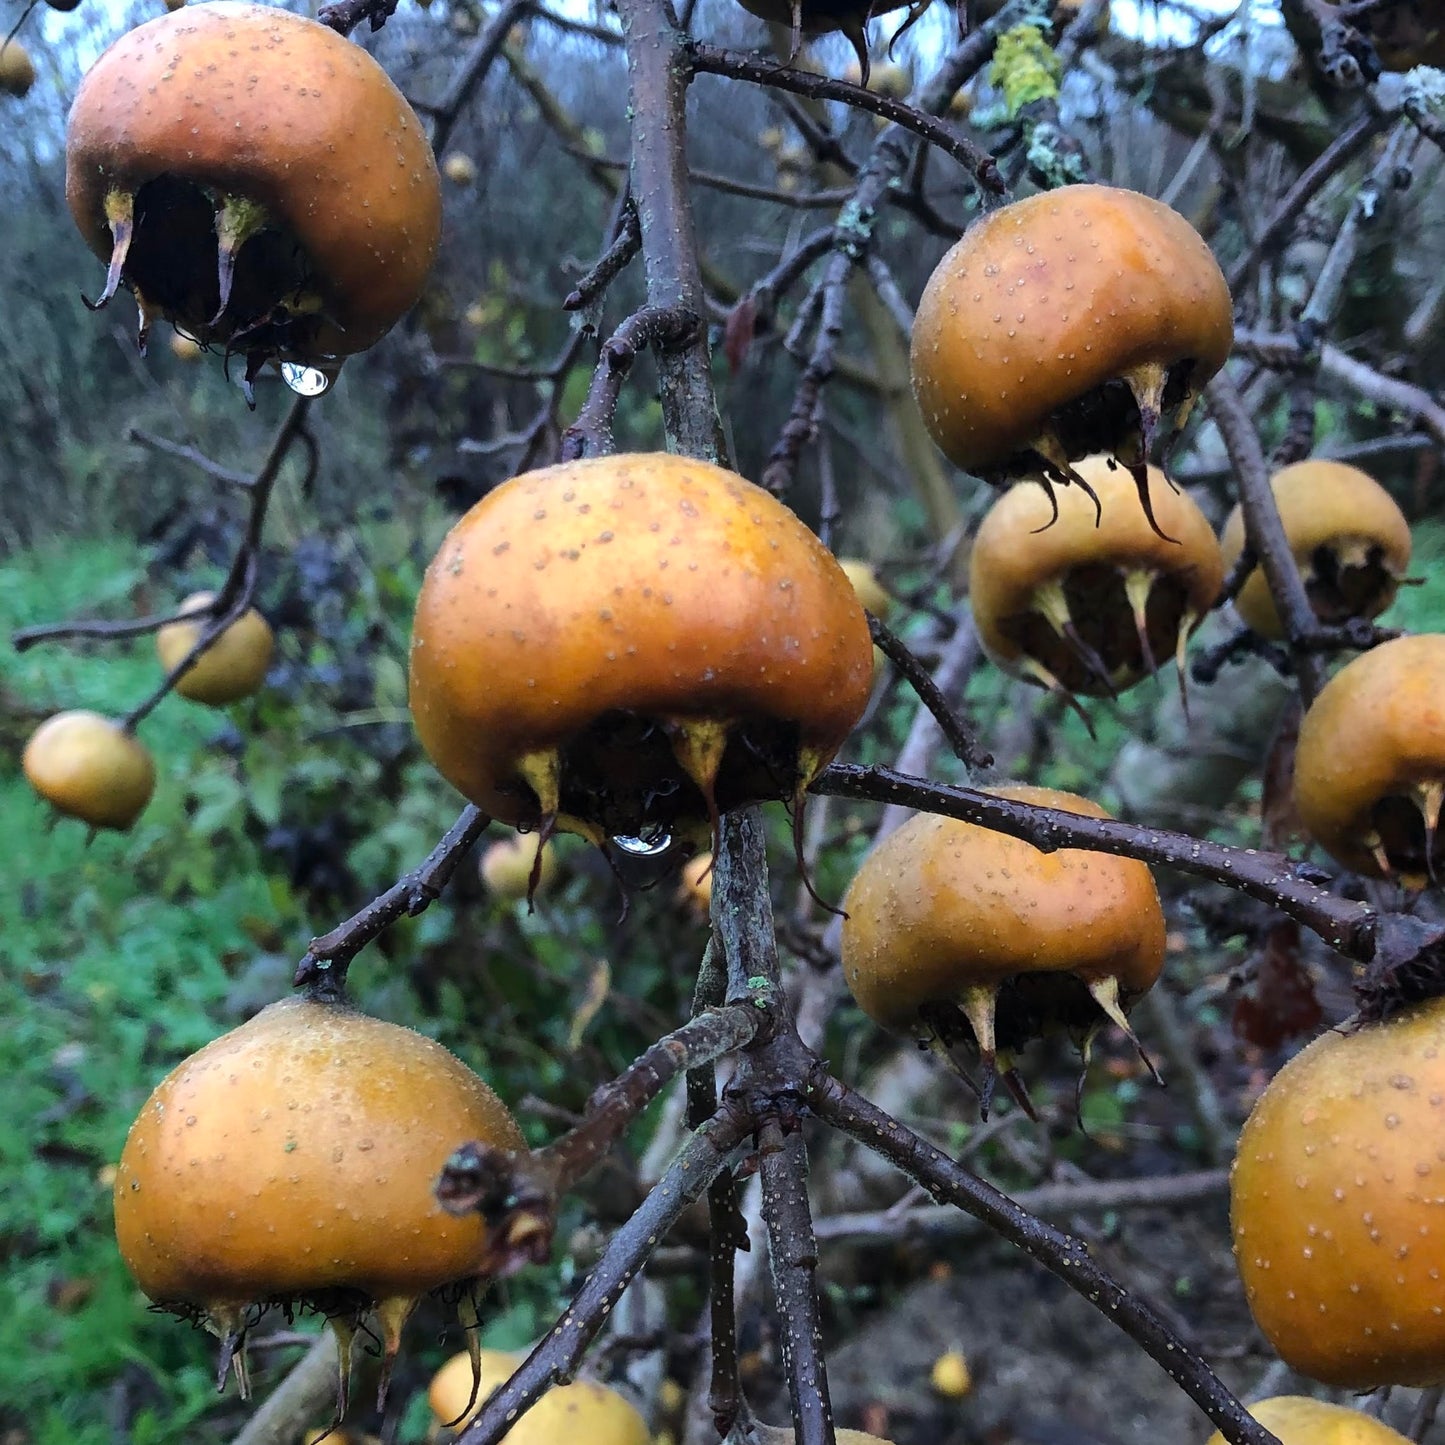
(626,243)
(960,735)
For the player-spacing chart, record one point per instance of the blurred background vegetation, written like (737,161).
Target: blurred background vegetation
(275,820)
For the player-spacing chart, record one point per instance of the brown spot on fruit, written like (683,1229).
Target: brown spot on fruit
(1095,599)
(87,767)
(1336,1229)
(282,202)
(1069,323)
(1370,763)
(664,641)
(1350,541)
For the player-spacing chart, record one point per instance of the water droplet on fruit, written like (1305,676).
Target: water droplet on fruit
(648,845)
(304,380)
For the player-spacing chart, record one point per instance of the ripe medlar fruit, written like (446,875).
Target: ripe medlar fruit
(233,667)
(88,767)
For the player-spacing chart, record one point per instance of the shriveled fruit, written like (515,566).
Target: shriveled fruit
(292,1161)
(958,934)
(581,1411)
(233,667)
(1072,322)
(17,70)
(255,178)
(1369,771)
(849,18)
(508,866)
(1298,1420)
(873,596)
(88,767)
(1076,591)
(625,645)
(1335,1203)
(1350,541)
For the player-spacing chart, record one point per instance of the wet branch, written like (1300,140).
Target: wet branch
(1064,1256)
(329,956)
(626,243)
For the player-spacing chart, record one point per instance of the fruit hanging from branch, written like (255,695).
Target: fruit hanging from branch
(1369,773)
(625,646)
(255,178)
(850,18)
(291,1162)
(1298,1420)
(233,667)
(1335,1203)
(960,935)
(17,70)
(1086,319)
(1077,592)
(1350,541)
(89,767)
(581,1411)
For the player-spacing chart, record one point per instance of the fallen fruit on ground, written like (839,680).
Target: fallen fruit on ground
(565,1415)
(1369,770)
(1350,541)
(508,866)
(1298,1420)
(957,934)
(17,70)
(1077,592)
(233,667)
(1335,1204)
(625,646)
(282,203)
(88,767)
(292,1160)
(1081,320)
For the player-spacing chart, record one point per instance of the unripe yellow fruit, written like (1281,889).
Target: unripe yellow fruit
(233,667)
(1298,1420)
(506,867)
(87,767)
(460,169)
(950,1375)
(582,1413)
(872,594)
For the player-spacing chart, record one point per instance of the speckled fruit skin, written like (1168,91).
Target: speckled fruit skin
(232,668)
(1337,1194)
(1046,299)
(1017,549)
(255,101)
(296,1155)
(84,766)
(1377,728)
(942,905)
(583,1411)
(1298,1420)
(1323,504)
(648,584)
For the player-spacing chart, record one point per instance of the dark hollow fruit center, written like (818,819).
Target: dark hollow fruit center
(1108,646)
(1339,591)
(1403,838)
(174,264)
(1028,1006)
(1104,419)
(621,774)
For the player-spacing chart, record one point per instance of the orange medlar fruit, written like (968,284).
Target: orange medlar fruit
(1072,322)
(1335,1202)
(1369,769)
(89,767)
(291,1162)
(1298,1420)
(624,646)
(256,179)
(581,1411)
(1079,593)
(959,934)
(233,667)
(17,70)
(1350,541)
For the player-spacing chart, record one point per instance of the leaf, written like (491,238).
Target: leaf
(598,987)
(1280,1000)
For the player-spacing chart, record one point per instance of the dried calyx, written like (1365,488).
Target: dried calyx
(849,18)
(282,204)
(1077,591)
